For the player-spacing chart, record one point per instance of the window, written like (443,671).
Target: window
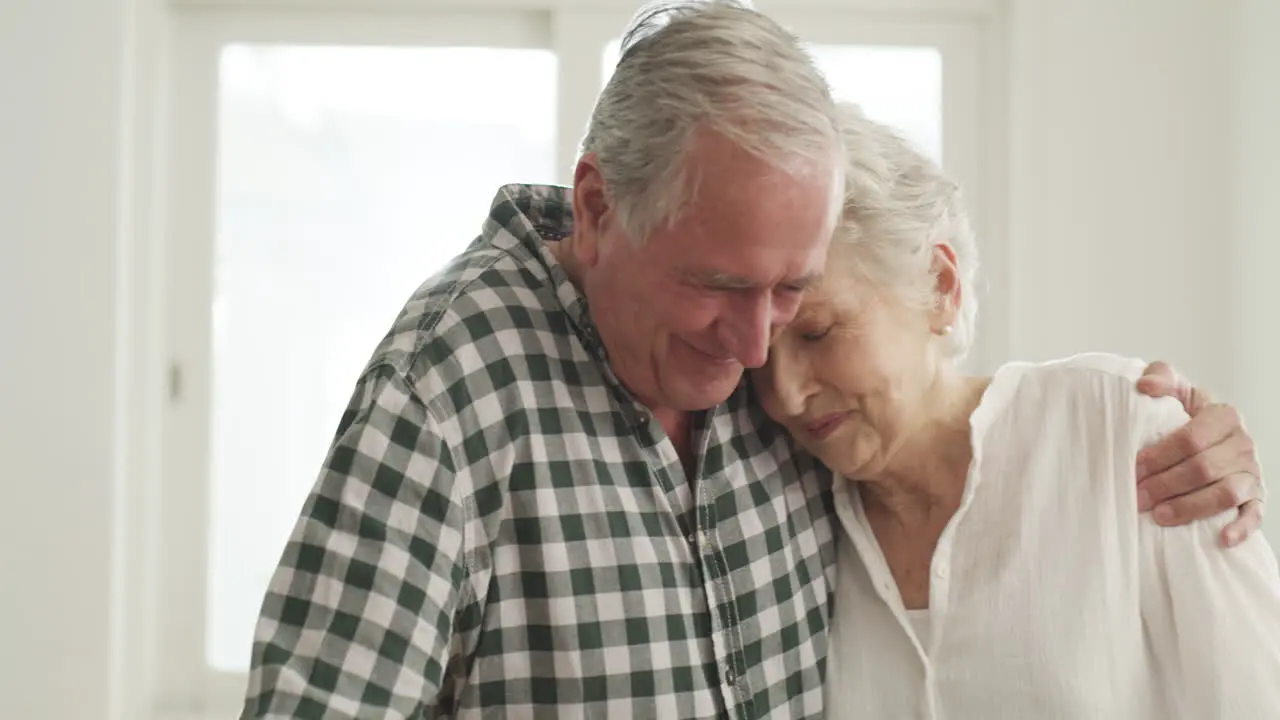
(609,60)
(321,165)
(898,86)
(346,176)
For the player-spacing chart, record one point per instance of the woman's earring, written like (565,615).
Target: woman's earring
(946,330)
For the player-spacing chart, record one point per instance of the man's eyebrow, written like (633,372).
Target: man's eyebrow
(805,281)
(726,281)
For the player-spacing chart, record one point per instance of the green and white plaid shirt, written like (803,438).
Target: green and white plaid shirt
(501,530)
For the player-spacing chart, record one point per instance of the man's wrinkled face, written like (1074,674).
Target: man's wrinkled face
(683,312)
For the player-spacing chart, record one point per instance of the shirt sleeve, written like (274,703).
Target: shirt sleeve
(1212,615)
(359,616)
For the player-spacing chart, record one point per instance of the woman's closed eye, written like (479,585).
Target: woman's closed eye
(815,335)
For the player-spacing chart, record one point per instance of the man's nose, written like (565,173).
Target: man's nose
(749,335)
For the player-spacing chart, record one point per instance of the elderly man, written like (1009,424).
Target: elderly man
(552,495)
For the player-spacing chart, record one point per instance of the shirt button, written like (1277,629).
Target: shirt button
(693,541)
(730,677)
(941,571)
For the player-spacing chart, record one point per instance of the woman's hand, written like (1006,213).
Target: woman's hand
(1205,467)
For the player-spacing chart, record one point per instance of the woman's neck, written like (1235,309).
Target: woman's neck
(924,477)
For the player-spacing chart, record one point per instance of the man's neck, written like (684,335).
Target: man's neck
(679,429)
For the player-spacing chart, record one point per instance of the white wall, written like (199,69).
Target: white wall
(67,383)
(1120,113)
(1255,155)
(60,77)
(1143,159)
(1143,187)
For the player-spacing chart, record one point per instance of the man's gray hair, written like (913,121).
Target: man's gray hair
(898,205)
(718,66)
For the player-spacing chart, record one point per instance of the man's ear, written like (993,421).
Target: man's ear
(592,210)
(947,288)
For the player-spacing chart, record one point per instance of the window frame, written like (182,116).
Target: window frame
(578,32)
(972,142)
(190,688)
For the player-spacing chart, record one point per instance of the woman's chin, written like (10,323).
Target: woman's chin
(855,470)
(859,458)
(843,462)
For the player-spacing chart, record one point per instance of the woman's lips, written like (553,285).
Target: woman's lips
(825,425)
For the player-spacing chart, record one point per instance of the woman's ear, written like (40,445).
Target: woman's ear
(947,290)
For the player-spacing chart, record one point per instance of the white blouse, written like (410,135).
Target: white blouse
(1050,595)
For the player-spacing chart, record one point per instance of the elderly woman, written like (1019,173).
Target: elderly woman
(994,562)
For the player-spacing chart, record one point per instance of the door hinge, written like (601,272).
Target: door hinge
(175,381)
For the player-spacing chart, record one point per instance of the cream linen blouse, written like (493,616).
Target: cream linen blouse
(1050,595)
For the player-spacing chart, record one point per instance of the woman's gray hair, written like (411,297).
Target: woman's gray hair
(898,205)
(719,66)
